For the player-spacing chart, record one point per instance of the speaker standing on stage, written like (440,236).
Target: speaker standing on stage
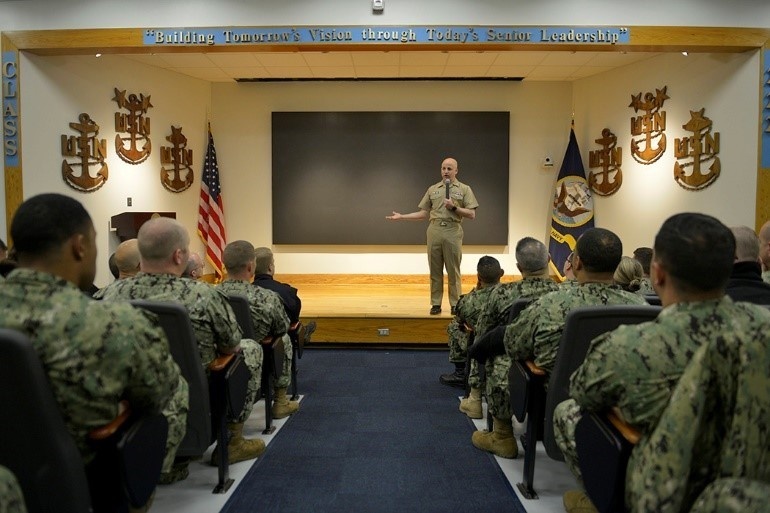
(445,204)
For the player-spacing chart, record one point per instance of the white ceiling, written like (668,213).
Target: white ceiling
(227,67)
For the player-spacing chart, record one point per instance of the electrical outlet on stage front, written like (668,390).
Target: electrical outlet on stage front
(383,332)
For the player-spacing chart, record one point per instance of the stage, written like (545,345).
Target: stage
(372,309)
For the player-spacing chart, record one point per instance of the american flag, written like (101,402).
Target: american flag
(211,212)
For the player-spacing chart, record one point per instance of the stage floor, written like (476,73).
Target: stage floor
(366,309)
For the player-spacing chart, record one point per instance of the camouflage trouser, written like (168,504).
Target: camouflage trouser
(733,495)
(285,380)
(252,356)
(175,412)
(458,343)
(474,377)
(565,418)
(11,498)
(498,396)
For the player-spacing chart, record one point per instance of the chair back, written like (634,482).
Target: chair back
(273,351)
(175,321)
(515,309)
(652,299)
(604,453)
(520,381)
(240,306)
(297,337)
(140,447)
(582,326)
(36,445)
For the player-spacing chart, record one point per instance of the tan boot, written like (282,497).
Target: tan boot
(575,501)
(239,448)
(282,406)
(499,441)
(471,405)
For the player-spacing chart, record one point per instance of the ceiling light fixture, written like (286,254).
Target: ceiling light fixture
(685,53)
(98,55)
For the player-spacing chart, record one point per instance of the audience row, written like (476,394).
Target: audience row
(113,352)
(706,277)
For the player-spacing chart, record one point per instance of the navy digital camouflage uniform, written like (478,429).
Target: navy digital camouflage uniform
(213,321)
(733,495)
(469,309)
(495,314)
(11,497)
(268,317)
(635,367)
(535,333)
(445,237)
(99,294)
(645,286)
(111,352)
(716,423)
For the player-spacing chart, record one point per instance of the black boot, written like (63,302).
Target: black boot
(456,378)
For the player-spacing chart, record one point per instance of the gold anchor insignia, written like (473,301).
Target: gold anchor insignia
(609,158)
(181,160)
(702,147)
(92,152)
(651,125)
(136,124)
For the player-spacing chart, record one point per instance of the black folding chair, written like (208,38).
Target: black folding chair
(272,355)
(512,312)
(297,338)
(527,381)
(604,444)
(652,299)
(213,398)
(39,450)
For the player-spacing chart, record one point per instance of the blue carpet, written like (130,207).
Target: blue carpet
(376,432)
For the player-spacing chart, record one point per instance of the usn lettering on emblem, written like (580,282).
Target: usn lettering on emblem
(609,178)
(650,126)
(90,151)
(702,147)
(136,124)
(180,160)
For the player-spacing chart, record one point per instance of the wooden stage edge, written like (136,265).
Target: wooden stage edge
(372,310)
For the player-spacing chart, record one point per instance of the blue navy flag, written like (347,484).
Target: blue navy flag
(572,211)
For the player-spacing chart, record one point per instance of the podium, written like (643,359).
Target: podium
(127,224)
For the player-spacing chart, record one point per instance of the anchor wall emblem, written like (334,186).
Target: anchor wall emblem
(608,180)
(90,151)
(180,159)
(703,147)
(651,126)
(136,124)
